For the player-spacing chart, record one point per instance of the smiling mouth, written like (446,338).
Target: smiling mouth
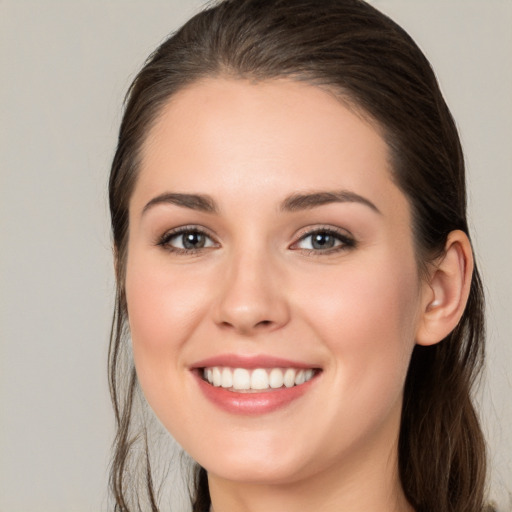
(243,380)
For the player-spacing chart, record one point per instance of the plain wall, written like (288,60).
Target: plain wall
(65,66)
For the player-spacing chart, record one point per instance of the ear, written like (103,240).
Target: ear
(446,290)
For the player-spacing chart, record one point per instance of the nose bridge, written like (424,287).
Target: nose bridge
(251,298)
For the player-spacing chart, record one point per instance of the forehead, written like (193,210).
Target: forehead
(234,138)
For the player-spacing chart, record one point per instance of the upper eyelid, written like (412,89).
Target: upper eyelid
(189,227)
(310,230)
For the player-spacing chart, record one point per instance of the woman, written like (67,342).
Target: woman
(294,267)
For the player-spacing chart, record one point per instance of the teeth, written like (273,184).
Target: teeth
(259,379)
(241,379)
(227,378)
(217,377)
(276,378)
(289,377)
(299,378)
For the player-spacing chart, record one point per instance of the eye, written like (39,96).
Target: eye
(186,240)
(324,240)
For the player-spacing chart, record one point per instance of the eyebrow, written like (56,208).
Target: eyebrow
(293,203)
(298,202)
(199,202)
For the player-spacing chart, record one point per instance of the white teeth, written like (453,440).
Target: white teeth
(241,379)
(217,377)
(259,379)
(289,377)
(227,378)
(276,378)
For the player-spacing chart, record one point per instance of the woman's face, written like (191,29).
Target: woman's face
(269,245)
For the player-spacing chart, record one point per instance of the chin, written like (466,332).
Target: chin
(255,471)
(277,462)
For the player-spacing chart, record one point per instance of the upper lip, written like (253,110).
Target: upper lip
(250,362)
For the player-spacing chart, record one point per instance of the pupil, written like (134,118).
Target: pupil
(323,241)
(193,240)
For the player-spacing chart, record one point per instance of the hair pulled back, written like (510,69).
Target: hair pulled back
(371,63)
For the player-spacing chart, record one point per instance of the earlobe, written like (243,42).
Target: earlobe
(446,291)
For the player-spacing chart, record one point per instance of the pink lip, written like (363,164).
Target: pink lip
(250,362)
(252,403)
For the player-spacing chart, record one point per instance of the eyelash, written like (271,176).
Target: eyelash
(346,241)
(165,239)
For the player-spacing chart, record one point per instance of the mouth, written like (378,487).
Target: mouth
(256,380)
(254,384)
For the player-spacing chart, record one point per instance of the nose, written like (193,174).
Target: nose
(252,297)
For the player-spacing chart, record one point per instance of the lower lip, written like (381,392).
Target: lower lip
(253,403)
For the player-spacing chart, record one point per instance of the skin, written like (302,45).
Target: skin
(258,287)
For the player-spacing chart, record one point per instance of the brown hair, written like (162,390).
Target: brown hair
(369,61)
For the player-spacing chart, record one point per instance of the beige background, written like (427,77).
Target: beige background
(65,66)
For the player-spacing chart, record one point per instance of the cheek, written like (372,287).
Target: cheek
(367,316)
(163,309)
